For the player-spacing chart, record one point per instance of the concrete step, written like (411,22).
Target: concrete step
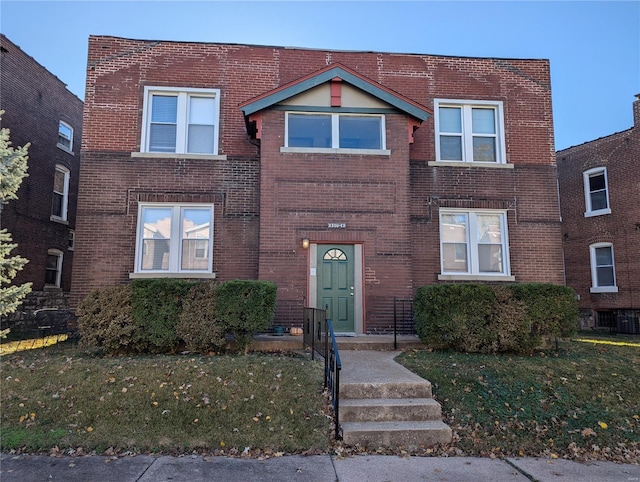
(389,409)
(420,388)
(390,434)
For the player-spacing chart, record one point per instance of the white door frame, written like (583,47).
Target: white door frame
(357,283)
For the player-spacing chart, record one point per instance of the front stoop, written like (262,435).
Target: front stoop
(382,404)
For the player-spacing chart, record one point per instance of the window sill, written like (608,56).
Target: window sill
(599,212)
(172,275)
(330,150)
(475,277)
(64,148)
(604,289)
(56,219)
(173,155)
(493,165)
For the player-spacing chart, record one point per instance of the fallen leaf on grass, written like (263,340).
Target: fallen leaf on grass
(603,425)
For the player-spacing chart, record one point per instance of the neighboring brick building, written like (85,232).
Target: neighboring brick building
(39,109)
(600,199)
(347,178)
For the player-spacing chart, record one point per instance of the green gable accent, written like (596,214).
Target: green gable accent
(326,76)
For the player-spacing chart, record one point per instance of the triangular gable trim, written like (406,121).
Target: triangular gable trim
(327,74)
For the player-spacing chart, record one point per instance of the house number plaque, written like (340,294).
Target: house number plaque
(337,225)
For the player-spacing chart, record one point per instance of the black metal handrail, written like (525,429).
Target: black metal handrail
(316,333)
(332,366)
(400,314)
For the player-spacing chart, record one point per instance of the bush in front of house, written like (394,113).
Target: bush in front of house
(198,325)
(246,307)
(156,305)
(479,318)
(552,310)
(153,316)
(105,320)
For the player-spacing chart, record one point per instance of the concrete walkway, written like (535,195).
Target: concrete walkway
(320,468)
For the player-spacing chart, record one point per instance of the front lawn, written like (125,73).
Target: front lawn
(580,402)
(62,398)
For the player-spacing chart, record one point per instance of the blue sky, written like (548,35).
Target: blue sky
(594,47)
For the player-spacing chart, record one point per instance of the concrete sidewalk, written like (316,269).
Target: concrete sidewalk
(320,468)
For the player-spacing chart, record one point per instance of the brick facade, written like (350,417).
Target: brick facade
(619,154)
(267,200)
(35,101)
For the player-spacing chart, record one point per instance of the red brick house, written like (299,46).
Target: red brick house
(347,178)
(599,195)
(40,110)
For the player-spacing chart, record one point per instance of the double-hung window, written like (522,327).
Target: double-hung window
(181,121)
(474,243)
(469,131)
(65,136)
(603,273)
(60,199)
(53,273)
(335,131)
(174,238)
(596,192)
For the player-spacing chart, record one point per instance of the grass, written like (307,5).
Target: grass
(581,402)
(62,398)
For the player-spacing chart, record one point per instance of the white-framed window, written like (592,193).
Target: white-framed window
(72,240)
(335,131)
(474,242)
(174,238)
(180,120)
(469,131)
(65,136)
(53,272)
(603,272)
(596,192)
(60,197)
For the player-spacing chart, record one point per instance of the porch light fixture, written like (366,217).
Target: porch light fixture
(305,243)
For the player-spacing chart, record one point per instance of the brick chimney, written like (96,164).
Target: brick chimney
(636,111)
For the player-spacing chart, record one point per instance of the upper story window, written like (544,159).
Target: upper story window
(181,121)
(53,273)
(469,131)
(60,199)
(174,238)
(335,131)
(603,273)
(65,136)
(596,192)
(474,243)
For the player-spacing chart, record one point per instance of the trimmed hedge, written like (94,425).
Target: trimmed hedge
(479,318)
(246,307)
(198,325)
(154,316)
(156,305)
(105,320)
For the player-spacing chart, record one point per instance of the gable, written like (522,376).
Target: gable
(330,76)
(350,98)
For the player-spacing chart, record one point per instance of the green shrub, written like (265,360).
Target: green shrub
(105,320)
(156,306)
(492,319)
(552,310)
(453,316)
(246,307)
(198,326)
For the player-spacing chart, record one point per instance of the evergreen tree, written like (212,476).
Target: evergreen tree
(13,169)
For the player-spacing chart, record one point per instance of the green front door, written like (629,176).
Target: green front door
(335,285)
